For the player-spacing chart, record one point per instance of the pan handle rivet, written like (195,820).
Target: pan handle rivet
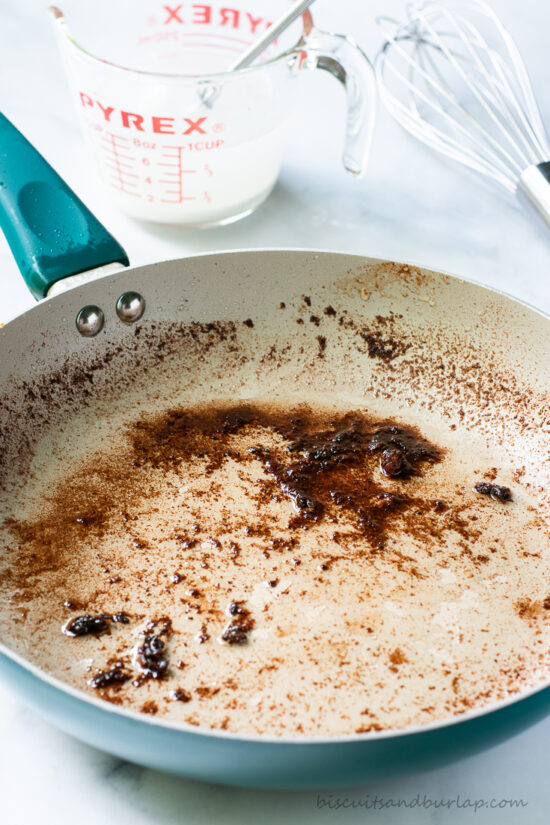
(90,321)
(130,307)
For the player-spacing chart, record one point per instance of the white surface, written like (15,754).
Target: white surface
(411,206)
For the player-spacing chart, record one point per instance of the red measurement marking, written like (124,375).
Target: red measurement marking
(123,167)
(113,148)
(114,184)
(125,158)
(126,182)
(112,138)
(183,172)
(174,175)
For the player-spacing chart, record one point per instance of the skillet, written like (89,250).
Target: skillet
(460,358)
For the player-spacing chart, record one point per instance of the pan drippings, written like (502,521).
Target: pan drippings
(280,569)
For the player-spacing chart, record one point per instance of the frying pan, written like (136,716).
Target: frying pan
(475,361)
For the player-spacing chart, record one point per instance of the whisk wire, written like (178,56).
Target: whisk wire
(477,141)
(524,84)
(465,76)
(428,131)
(496,96)
(504,101)
(443,79)
(496,151)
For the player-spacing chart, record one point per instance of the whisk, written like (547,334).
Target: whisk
(453,77)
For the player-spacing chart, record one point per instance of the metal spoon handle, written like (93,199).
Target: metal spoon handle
(271,34)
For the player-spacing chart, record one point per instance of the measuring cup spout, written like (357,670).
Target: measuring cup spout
(342,57)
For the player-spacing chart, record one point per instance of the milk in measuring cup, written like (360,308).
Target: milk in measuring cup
(167,156)
(168,151)
(200,181)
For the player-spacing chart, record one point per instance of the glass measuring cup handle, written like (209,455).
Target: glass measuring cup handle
(342,57)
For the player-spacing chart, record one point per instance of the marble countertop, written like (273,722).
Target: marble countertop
(411,206)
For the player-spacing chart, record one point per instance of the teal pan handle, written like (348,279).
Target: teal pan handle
(50,231)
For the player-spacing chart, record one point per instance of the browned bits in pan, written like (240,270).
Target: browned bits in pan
(414,447)
(236,632)
(203,636)
(180,695)
(193,592)
(496,492)
(385,349)
(236,608)
(152,657)
(163,626)
(87,626)
(151,653)
(106,679)
(393,463)
(206,691)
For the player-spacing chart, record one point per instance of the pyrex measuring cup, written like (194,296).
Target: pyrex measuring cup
(143,72)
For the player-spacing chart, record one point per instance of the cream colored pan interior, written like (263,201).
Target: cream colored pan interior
(347,640)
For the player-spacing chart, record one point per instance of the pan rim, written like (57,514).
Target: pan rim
(100,279)
(253,738)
